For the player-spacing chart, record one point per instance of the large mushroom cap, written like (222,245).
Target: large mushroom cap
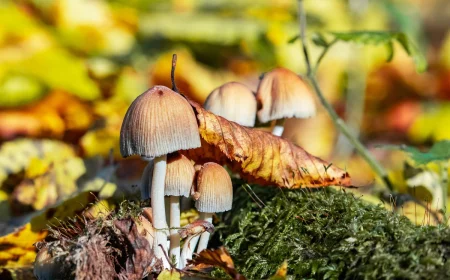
(179,175)
(283,94)
(233,101)
(158,122)
(215,188)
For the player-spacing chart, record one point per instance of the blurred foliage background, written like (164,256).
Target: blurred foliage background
(70,68)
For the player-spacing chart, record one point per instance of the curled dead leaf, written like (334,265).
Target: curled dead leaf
(261,157)
(196,228)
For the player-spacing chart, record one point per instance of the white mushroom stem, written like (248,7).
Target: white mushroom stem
(278,130)
(167,207)
(188,249)
(159,212)
(204,238)
(174,226)
(146,179)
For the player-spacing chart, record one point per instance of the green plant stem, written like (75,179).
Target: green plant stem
(444,182)
(302,22)
(338,122)
(322,55)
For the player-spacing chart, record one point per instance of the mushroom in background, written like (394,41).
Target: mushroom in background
(233,101)
(158,122)
(283,94)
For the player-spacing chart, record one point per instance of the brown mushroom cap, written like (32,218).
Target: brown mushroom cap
(283,94)
(215,188)
(158,122)
(179,175)
(233,101)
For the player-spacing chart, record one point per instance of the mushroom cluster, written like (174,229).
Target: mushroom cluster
(158,124)
(161,122)
(281,94)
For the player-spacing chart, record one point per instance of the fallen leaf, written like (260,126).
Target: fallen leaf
(261,157)
(196,228)
(169,275)
(16,249)
(281,272)
(141,260)
(219,258)
(54,116)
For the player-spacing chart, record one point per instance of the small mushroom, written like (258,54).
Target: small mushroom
(158,122)
(283,94)
(179,180)
(216,195)
(233,101)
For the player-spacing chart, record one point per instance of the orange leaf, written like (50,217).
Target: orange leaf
(261,157)
(54,116)
(215,258)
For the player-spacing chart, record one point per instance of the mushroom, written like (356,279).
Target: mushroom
(214,194)
(283,94)
(233,101)
(179,180)
(158,122)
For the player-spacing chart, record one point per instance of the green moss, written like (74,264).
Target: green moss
(331,234)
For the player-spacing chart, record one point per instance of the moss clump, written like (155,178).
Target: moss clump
(331,234)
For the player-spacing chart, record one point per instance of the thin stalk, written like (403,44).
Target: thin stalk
(204,238)
(322,55)
(174,226)
(302,23)
(338,122)
(354,105)
(356,87)
(278,128)
(172,72)
(159,211)
(444,182)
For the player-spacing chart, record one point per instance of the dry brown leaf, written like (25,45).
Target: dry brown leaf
(215,258)
(261,157)
(141,260)
(196,228)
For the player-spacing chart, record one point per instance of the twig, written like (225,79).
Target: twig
(444,183)
(302,23)
(172,73)
(167,257)
(322,55)
(338,122)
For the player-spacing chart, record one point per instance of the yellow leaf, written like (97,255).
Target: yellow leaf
(281,272)
(261,157)
(169,275)
(17,248)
